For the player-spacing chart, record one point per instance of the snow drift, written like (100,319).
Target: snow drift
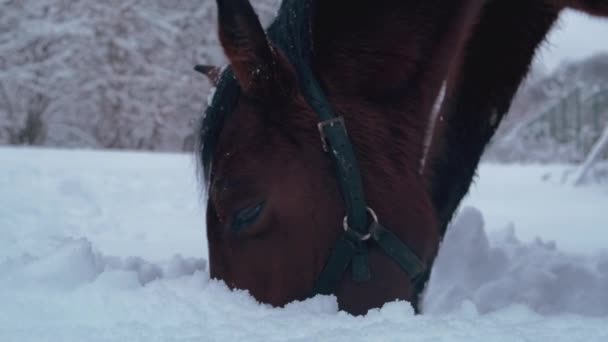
(84,258)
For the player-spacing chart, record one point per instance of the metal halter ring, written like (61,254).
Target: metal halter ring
(367,236)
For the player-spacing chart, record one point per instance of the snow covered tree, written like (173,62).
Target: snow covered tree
(106,74)
(600,149)
(557,116)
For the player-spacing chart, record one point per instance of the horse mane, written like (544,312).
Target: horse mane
(291,32)
(211,123)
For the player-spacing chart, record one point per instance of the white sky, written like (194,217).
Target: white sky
(575,36)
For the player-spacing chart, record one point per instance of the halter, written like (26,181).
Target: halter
(291,32)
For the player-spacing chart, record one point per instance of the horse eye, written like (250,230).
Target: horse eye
(246,217)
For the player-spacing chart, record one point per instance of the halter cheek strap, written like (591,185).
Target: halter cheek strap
(292,33)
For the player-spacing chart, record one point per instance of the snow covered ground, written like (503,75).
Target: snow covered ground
(108,246)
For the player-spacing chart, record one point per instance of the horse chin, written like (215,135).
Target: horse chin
(388,284)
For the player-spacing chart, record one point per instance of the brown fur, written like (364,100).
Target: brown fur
(480,88)
(381,64)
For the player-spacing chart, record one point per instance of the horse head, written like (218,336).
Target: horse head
(275,207)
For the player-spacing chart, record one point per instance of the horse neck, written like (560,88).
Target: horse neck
(383,64)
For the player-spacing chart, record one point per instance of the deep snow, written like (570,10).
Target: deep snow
(108,246)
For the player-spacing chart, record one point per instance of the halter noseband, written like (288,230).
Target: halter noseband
(291,32)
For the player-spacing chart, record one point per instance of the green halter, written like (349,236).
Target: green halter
(291,32)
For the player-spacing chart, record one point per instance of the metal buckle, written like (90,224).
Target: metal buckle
(329,123)
(361,237)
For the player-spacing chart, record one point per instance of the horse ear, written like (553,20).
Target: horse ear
(246,45)
(212,72)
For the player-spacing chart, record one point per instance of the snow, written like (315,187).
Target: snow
(499,270)
(539,201)
(573,38)
(110,246)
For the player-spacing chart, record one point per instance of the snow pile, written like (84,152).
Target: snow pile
(75,293)
(74,263)
(539,201)
(498,271)
(109,247)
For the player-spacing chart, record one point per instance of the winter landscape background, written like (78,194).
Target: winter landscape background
(106,74)
(118,74)
(104,245)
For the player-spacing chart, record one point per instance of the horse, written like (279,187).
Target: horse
(315,153)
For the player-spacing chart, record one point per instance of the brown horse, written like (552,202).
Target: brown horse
(276,208)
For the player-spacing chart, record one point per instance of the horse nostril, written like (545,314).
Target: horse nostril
(246,217)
